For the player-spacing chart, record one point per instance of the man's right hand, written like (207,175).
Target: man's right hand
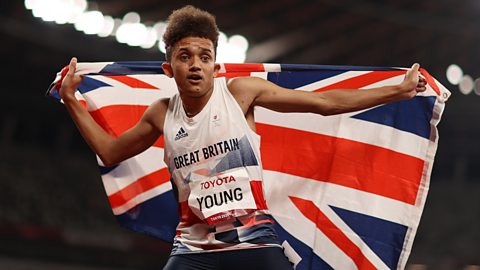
(71,81)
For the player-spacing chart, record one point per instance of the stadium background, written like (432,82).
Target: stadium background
(53,211)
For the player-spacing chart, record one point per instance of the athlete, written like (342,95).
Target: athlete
(211,148)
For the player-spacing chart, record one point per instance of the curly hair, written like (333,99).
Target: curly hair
(189,21)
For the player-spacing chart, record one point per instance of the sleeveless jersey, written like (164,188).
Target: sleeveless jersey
(216,174)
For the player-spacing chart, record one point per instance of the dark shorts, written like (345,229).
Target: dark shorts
(245,259)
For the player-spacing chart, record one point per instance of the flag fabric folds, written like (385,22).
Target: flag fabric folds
(346,191)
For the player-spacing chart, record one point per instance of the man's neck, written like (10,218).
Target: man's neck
(192,105)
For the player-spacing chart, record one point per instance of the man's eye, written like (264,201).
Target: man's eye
(205,58)
(183,57)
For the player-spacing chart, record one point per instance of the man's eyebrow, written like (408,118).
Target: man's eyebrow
(206,49)
(186,48)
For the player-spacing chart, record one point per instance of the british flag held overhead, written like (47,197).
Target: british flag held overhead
(347,191)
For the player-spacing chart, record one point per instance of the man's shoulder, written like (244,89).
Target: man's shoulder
(245,90)
(156,112)
(243,84)
(161,103)
(158,108)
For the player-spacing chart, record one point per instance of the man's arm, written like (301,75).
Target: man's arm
(257,91)
(111,150)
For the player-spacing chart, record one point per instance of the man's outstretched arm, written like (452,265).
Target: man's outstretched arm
(263,93)
(111,150)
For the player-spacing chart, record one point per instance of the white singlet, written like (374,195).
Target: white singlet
(216,172)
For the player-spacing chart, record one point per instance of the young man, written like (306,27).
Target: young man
(211,147)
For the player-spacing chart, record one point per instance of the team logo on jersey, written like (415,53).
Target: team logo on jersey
(181,134)
(216,119)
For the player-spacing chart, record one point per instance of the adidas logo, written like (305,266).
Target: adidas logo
(181,134)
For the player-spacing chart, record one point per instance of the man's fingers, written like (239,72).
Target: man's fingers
(421,89)
(415,67)
(413,71)
(72,66)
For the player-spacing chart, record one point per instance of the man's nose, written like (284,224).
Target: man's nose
(195,63)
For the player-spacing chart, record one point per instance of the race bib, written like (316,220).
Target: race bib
(221,197)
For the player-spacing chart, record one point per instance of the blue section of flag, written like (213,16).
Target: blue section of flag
(309,259)
(412,115)
(384,237)
(296,79)
(54,94)
(128,68)
(89,84)
(148,218)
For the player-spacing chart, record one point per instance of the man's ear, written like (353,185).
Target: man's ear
(167,69)
(216,69)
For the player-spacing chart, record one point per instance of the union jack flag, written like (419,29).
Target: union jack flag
(346,191)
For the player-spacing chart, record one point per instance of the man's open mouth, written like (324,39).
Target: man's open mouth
(194,78)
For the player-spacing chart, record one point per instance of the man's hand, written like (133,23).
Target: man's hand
(413,83)
(71,81)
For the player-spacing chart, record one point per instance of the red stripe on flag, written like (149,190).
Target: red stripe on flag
(257,190)
(234,74)
(116,119)
(138,187)
(362,80)
(340,161)
(324,224)
(132,82)
(430,80)
(246,67)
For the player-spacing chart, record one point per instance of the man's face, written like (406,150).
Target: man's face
(193,66)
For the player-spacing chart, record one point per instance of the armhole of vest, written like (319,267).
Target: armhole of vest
(166,121)
(167,114)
